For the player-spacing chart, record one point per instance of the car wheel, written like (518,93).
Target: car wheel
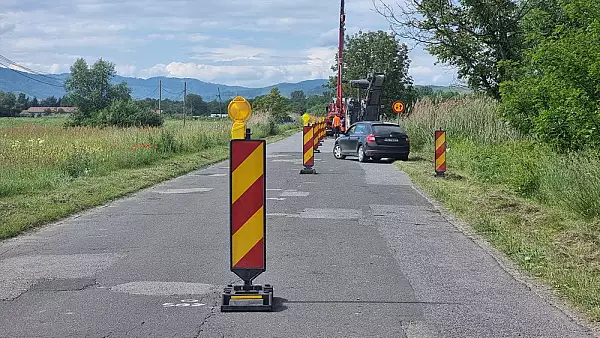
(376,159)
(361,154)
(337,152)
(404,157)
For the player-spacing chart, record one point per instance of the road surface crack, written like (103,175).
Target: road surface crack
(212,313)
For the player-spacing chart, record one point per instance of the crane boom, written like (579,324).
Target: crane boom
(340,58)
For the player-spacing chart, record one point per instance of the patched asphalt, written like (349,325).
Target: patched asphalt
(353,251)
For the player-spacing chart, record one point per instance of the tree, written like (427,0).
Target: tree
(378,51)
(34,102)
(197,105)
(90,89)
(298,99)
(275,104)
(7,103)
(215,107)
(473,36)
(49,102)
(22,102)
(553,92)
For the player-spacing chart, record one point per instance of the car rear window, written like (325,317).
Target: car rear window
(386,129)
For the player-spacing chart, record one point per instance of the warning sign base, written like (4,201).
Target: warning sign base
(308,171)
(247,298)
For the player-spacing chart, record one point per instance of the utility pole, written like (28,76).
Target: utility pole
(159,96)
(184,95)
(220,103)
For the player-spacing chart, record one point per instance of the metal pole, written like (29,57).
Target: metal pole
(184,95)
(159,95)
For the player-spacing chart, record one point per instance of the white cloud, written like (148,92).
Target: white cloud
(250,42)
(126,70)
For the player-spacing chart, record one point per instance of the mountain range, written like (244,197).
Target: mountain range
(42,86)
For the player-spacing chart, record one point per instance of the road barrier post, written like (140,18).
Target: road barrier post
(247,195)
(316,137)
(321,132)
(308,151)
(440,152)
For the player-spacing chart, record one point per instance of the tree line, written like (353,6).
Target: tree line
(12,104)
(99,102)
(539,58)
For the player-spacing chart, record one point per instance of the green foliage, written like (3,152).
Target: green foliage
(77,164)
(494,153)
(127,113)
(298,102)
(473,36)
(197,105)
(554,91)
(91,91)
(379,51)
(276,105)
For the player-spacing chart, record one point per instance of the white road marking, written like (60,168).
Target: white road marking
(274,189)
(276,198)
(293,193)
(183,191)
(217,175)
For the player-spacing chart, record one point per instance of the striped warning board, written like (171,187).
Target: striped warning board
(316,136)
(440,152)
(308,149)
(248,214)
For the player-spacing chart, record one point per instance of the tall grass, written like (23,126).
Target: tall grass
(492,152)
(37,155)
(472,118)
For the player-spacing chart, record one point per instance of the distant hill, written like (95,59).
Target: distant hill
(42,86)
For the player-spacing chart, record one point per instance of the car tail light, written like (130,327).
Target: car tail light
(371,138)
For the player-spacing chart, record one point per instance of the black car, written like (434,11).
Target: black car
(373,139)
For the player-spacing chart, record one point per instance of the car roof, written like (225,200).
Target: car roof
(377,122)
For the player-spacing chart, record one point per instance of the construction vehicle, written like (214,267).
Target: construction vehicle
(354,110)
(337,107)
(369,108)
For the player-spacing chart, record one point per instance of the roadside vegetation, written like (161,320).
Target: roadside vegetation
(539,206)
(523,148)
(110,146)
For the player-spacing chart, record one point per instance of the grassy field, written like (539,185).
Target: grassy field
(48,172)
(540,207)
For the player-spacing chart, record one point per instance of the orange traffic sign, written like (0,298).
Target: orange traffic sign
(398,107)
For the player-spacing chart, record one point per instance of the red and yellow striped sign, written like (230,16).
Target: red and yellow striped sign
(248,214)
(308,149)
(440,151)
(321,131)
(316,133)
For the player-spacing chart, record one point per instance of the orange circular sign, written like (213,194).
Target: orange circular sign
(398,107)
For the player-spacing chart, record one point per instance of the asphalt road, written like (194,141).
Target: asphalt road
(354,251)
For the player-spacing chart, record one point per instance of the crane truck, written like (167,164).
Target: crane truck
(354,110)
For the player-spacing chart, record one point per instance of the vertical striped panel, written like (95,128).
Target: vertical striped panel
(247,197)
(440,151)
(308,147)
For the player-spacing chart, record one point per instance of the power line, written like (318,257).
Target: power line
(170,92)
(5,59)
(148,95)
(31,78)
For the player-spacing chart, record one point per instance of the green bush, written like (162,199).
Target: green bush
(127,113)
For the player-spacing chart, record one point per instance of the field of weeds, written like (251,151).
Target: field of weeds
(538,205)
(43,165)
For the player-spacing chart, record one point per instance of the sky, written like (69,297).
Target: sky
(251,43)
